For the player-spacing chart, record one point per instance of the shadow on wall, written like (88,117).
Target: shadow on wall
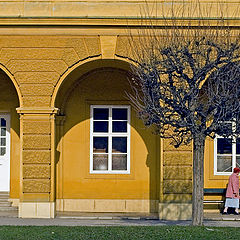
(175,211)
(176,195)
(105,86)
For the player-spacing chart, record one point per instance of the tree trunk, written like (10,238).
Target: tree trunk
(197,196)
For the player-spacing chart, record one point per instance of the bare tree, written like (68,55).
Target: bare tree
(186,84)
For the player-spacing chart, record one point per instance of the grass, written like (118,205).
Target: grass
(118,233)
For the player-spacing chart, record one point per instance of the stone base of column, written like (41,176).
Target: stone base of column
(175,211)
(36,210)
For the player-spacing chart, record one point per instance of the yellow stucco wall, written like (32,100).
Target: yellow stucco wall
(44,63)
(44,74)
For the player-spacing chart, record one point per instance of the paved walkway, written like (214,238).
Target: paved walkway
(109,219)
(220,217)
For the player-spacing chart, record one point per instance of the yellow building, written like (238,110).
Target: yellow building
(70,141)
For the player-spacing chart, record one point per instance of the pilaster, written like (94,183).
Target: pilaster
(37,163)
(175,182)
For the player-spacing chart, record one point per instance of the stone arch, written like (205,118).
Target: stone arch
(11,77)
(67,80)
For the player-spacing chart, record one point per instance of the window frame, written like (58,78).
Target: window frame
(110,135)
(234,154)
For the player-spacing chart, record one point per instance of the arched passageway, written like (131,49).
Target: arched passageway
(9,137)
(106,159)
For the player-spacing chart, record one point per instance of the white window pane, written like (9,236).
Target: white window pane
(224,163)
(119,144)
(238,161)
(100,144)
(119,161)
(100,113)
(100,162)
(100,126)
(3,131)
(2,151)
(119,114)
(119,126)
(224,146)
(3,142)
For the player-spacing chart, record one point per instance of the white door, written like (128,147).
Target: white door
(4,152)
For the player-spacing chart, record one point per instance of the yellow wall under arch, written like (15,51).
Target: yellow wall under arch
(77,189)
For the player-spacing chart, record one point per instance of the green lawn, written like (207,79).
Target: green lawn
(99,233)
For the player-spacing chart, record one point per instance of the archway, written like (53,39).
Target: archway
(129,183)
(10,99)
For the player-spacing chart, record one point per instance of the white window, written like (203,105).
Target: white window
(110,139)
(226,154)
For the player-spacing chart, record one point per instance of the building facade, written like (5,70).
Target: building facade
(70,140)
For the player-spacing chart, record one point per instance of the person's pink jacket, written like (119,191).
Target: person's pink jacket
(233,186)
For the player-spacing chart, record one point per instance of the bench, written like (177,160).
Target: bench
(213,191)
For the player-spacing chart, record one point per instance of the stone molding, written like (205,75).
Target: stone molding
(37,110)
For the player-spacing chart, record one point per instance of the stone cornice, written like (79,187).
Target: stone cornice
(93,26)
(116,21)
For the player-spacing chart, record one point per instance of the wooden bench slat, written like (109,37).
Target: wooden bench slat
(214,190)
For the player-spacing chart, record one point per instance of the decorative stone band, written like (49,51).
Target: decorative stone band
(37,110)
(107,205)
